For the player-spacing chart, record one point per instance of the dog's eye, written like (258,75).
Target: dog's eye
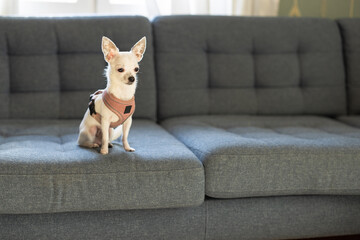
(120,70)
(136,69)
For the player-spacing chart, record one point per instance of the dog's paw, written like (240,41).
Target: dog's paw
(95,145)
(130,149)
(110,145)
(104,151)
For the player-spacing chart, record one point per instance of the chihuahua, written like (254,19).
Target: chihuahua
(110,110)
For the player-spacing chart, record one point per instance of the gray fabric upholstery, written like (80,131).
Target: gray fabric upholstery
(351,120)
(43,170)
(246,156)
(282,217)
(57,63)
(248,218)
(234,65)
(350,29)
(172,224)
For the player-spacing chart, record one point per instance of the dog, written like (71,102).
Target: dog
(110,111)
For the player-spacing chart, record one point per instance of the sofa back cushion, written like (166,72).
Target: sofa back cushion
(49,66)
(350,29)
(242,65)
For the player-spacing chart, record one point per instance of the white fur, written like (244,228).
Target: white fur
(91,132)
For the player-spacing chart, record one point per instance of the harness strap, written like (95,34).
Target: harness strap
(122,109)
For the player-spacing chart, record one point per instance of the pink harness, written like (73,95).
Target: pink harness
(122,109)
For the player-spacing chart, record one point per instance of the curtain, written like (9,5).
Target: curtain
(7,7)
(261,7)
(149,8)
(222,7)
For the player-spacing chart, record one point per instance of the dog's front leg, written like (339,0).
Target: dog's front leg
(126,129)
(105,124)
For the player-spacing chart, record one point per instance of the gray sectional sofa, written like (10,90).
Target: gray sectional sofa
(242,130)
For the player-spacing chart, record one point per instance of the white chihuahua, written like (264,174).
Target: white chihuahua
(113,107)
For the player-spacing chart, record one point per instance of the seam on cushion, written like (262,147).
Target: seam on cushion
(287,191)
(335,86)
(36,91)
(32,54)
(206,219)
(53,25)
(121,172)
(86,52)
(323,130)
(62,142)
(59,142)
(255,75)
(300,65)
(352,50)
(9,90)
(208,87)
(196,51)
(77,53)
(91,90)
(254,53)
(267,154)
(275,131)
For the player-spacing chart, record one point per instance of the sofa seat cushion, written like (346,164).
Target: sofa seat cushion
(246,156)
(351,120)
(43,170)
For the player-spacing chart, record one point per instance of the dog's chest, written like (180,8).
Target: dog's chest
(114,109)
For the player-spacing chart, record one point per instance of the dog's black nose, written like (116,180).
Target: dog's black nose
(131,79)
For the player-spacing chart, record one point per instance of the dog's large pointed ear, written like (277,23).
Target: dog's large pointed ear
(109,48)
(139,48)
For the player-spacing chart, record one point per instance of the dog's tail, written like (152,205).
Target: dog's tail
(116,133)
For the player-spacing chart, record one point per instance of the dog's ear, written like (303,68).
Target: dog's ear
(139,48)
(109,48)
